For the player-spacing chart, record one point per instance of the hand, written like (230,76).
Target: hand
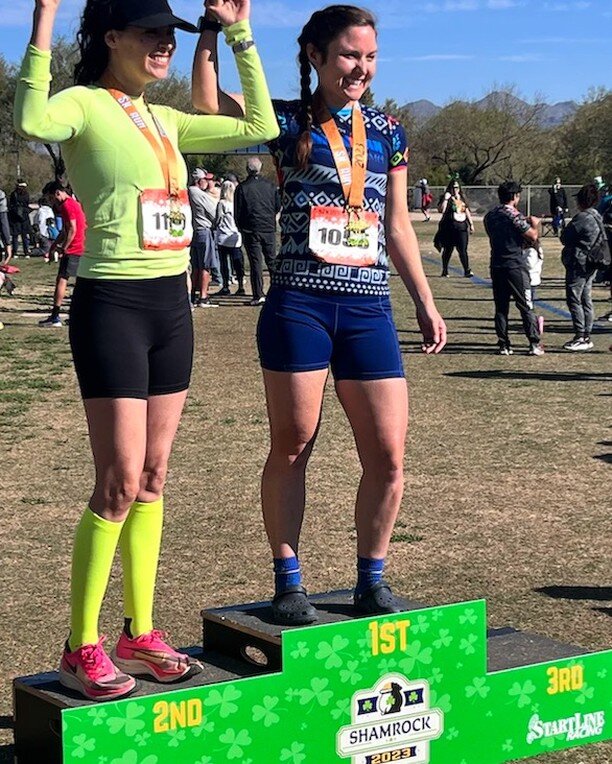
(471,228)
(535,222)
(226,12)
(447,196)
(47,5)
(432,328)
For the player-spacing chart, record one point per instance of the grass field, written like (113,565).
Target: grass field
(507,487)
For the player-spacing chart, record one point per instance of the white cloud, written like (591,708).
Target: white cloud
(440,57)
(521,58)
(573,6)
(502,5)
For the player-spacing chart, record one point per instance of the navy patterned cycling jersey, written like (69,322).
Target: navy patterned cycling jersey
(319,185)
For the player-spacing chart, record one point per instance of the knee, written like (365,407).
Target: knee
(119,494)
(387,469)
(292,447)
(153,480)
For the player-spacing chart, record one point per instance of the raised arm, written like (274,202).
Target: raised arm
(403,248)
(204,134)
(34,116)
(206,94)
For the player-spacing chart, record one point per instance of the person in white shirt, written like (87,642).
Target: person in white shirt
(229,240)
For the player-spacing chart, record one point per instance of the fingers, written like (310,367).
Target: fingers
(434,345)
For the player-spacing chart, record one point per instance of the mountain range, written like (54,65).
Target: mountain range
(552,114)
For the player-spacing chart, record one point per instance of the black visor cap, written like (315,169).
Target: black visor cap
(150,14)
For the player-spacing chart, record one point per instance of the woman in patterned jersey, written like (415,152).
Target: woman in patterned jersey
(343,174)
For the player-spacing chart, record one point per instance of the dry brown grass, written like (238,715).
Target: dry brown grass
(506,490)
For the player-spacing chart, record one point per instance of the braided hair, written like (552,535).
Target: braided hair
(322,28)
(99,16)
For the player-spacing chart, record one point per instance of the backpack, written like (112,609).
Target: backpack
(599,254)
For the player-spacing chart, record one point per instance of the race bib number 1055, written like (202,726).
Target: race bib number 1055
(334,238)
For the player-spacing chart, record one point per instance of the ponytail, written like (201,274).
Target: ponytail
(303,148)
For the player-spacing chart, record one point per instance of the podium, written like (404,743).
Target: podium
(428,685)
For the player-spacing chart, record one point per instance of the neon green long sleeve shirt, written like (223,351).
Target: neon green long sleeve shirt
(109,161)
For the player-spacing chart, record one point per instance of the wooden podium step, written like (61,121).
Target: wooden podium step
(38,701)
(247,633)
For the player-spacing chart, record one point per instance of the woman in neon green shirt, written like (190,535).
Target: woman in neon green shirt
(130,327)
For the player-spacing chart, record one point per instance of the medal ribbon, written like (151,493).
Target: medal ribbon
(167,155)
(352,173)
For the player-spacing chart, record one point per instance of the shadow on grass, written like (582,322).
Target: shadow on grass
(607,458)
(553,376)
(6,722)
(598,593)
(7,755)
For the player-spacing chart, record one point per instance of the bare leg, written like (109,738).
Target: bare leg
(378,413)
(294,409)
(163,417)
(118,436)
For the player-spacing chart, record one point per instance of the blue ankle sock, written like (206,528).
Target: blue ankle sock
(286,573)
(369,572)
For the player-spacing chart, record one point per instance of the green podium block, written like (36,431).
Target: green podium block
(429,685)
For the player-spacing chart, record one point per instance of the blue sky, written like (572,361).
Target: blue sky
(438,50)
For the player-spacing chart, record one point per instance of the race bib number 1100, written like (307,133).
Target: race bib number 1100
(166,220)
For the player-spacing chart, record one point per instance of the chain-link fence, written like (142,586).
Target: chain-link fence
(535,200)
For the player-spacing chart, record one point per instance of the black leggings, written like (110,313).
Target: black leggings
(131,338)
(233,254)
(456,237)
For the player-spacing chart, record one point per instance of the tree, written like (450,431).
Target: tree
(583,145)
(488,141)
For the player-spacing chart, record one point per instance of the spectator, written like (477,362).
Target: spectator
(579,238)
(5,229)
(70,245)
(229,240)
(558,206)
(454,226)
(203,252)
(44,227)
(426,198)
(19,217)
(256,205)
(507,230)
(605,210)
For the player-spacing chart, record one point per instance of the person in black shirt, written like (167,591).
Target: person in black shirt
(19,217)
(507,230)
(256,205)
(558,205)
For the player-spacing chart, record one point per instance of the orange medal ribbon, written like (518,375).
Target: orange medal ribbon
(352,173)
(166,155)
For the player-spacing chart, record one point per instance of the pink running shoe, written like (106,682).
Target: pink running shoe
(150,655)
(90,671)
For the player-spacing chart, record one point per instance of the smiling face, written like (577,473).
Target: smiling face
(140,55)
(349,66)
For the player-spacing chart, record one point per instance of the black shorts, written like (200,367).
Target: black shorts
(68,266)
(131,339)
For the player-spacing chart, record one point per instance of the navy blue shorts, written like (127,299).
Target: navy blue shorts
(355,334)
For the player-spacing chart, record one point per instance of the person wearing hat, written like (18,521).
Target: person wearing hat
(203,250)
(131,331)
(19,217)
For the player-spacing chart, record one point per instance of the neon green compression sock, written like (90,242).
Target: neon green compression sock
(140,543)
(95,544)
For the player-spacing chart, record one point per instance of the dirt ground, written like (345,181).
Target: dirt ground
(507,483)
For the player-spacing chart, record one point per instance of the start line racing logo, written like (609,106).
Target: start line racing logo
(391,722)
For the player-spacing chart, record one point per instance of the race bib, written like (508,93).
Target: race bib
(338,237)
(166,220)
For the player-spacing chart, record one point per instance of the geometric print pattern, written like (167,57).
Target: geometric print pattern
(318,185)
